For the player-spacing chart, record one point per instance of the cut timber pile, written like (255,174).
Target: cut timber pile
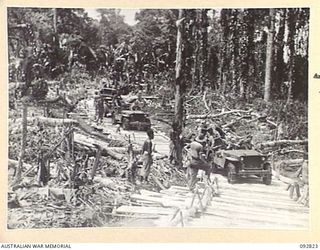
(173,206)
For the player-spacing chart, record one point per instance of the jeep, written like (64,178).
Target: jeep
(243,163)
(132,119)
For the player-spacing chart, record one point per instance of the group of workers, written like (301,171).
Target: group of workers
(200,147)
(200,151)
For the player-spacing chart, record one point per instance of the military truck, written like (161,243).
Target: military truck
(131,119)
(243,163)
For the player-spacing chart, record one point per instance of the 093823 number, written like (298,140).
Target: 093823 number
(308,246)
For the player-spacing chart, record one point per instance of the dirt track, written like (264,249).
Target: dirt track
(247,204)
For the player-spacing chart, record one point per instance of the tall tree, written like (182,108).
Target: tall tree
(224,22)
(234,48)
(269,56)
(279,73)
(300,88)
(179,87)
(291,20)
(204,42)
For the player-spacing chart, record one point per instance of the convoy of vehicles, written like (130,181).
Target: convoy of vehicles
(236,163)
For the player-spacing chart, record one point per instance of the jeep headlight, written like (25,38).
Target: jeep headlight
(241,158)
(263,158)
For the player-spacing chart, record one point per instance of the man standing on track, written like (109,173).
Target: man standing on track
(197,161)
(147,160)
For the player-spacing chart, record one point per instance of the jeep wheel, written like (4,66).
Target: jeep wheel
(125,124)
(231,173)
(267,179)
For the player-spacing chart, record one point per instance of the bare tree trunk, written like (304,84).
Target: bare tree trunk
(196,53)
(291,25)
(55,20)
(179,89)
(96,161)
(204,49)
(224,19)
(280,65)
(18,172)
(269,62)
(234,65)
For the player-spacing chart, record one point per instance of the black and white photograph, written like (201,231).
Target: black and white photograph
(144,118)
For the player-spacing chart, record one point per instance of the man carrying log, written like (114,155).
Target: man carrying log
(197,161)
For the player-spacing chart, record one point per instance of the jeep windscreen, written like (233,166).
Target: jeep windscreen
(252,162)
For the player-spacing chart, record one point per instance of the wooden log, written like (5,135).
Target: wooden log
(282,142)
(90,130)
(89,142)
(162,201)
(217,115)
(70,105)
(150,193)
(163,196)
(235,121)
(169,122)
(156,180)
(124,150)
(47,121)
(293,151)
(145,210)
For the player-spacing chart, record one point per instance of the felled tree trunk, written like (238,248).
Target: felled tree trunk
(283,142)
(217,115)
(106,151)
(50,121)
